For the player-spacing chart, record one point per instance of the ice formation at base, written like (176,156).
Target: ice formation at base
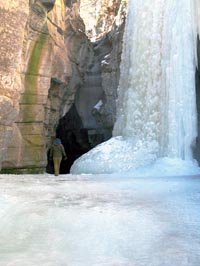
(156,107)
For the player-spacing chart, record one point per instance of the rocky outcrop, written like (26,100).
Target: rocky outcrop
(112,13)
(100,15)
(13,14)
(48,60)
(27,148)
(109,48)
(95,101)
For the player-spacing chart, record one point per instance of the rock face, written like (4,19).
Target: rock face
(102,76)
(49,71)
(111,44)
(27,146)
(37,56)
(100,15)
(12,14)
(95,100)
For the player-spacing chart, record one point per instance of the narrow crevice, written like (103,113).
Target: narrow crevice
(197,79)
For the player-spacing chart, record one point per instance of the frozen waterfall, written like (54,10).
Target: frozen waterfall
(156,108)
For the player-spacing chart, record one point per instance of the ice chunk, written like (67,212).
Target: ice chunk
(98,105)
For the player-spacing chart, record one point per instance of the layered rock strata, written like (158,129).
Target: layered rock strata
(44,56)
(13,19)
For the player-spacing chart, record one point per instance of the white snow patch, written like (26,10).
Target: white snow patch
(119,155)
(98,105)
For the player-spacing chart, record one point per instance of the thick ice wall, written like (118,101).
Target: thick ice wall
(179,115)
(139,90)
(160,80)
(156,114)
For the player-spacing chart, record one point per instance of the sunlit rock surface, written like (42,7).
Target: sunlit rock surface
(28,149)
(100,15)
(40,72)
(13,14)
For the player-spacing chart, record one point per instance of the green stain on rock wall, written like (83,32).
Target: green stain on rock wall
(30,96)
(21,171)
(33,69)
(30,105)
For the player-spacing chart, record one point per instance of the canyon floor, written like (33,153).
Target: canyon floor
(102,220)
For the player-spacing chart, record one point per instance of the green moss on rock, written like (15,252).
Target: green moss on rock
(20,171)
(33,67)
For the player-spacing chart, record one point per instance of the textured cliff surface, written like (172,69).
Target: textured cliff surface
(108,48)
(111,43)
(38,61)
(95,101)
(100,15)
(13,14)
(104,20)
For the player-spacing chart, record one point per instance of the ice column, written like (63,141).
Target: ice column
(156,107)
(157,100)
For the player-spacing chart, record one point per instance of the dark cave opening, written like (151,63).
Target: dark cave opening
(75,143)
(76,140)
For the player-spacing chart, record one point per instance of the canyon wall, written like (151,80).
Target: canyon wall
(13,20)
(49,67)
(44,44)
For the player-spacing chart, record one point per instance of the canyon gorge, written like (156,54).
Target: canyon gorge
(59,74)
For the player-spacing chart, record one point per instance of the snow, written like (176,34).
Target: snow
(156,106)
(98,105)
(104,62)
(119,155)
(99,220)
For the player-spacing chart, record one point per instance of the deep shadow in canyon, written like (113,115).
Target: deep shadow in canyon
(90,119)
(76,140)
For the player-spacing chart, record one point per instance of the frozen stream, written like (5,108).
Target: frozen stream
(99,221)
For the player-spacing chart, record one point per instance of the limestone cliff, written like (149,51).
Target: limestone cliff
(39,60)
(13,19)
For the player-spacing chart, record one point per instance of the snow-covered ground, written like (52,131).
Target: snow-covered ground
(103,220)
